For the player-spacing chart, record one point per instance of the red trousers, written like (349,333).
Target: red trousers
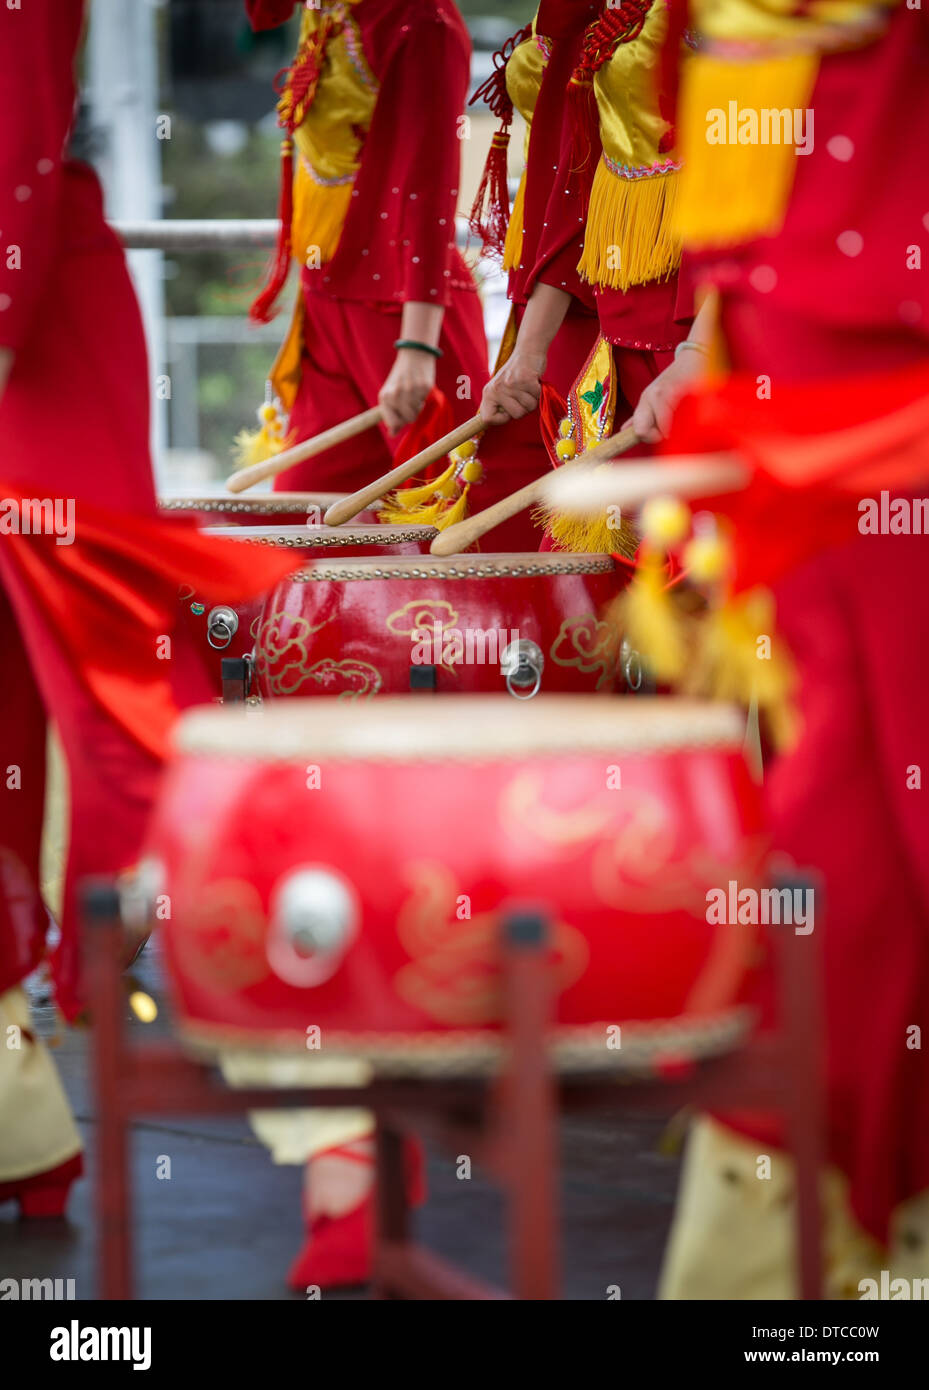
(348,353)
(857,622)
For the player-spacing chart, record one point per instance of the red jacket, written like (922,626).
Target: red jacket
(398,239)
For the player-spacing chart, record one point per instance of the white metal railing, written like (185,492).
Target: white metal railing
(214,233)
(197,234)
(184,337)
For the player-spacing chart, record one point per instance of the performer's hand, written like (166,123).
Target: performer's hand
(655,410)
(404,393)
(515,390)
(6,366)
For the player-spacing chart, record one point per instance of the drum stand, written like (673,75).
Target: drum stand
(510,1124)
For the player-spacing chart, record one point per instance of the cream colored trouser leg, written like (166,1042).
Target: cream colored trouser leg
(293,1136)
(734,1231)
(37,1131)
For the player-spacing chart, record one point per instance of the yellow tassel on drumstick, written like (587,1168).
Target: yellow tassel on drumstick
(270,439)
(442,502)
(453,540)
(350,506)
(245,478)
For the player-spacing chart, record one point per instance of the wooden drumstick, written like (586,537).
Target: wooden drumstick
(347,507)
(588,491)
(257,472)
(458,538)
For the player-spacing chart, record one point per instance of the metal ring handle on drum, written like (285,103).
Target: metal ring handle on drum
(522,663)
(631,662)
(634,663)
(520,694)
(222,624)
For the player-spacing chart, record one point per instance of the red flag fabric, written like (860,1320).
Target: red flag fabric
(433,421)
(110,593)
(819,451)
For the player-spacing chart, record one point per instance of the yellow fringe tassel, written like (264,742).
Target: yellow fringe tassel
(401,504)
(630,236)
(439,514)
(457,511)
(587,535)
(646,616)
(319,216)
(733,192)
(254,446)
(513,246)
(737,657)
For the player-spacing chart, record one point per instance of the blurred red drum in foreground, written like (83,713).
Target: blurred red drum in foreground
(324,865)
(454,624)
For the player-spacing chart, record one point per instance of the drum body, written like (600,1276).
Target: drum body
(345,868)
(465,623)
(222,508)
(225,628)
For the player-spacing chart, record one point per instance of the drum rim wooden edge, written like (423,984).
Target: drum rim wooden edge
(573,1048)
(323,536)
(501,728)
(528,564)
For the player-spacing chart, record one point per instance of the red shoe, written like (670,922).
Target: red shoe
(45,1194)
(339,1251)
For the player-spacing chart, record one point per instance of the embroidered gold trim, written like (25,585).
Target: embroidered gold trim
(456,567)
(324,537)
(262,505)
(578,1051)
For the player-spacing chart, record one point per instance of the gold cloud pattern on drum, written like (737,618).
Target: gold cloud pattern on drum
(427,615)
(422,614)
(644,867)
(522,808)
(349,679)
(221,942)
(282,658)
(454,973)
(590,645)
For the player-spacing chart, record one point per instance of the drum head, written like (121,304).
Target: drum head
(518,565)
(324,537)
(246,504)
(405,728)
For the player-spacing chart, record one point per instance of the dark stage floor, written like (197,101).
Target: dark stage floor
(226,1223)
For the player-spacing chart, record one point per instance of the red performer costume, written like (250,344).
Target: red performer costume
(88,575)
(825,314)
(372,108)
(592,217)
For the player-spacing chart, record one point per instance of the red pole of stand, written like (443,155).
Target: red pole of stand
(104,937)
(393,1208)
(528,1115)
(799,966)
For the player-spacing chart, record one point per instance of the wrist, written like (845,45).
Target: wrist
(533,354)
(418,347)
(691,348)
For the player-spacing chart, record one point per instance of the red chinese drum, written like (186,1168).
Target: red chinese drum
(231,628)
(452,624)
(331,866)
